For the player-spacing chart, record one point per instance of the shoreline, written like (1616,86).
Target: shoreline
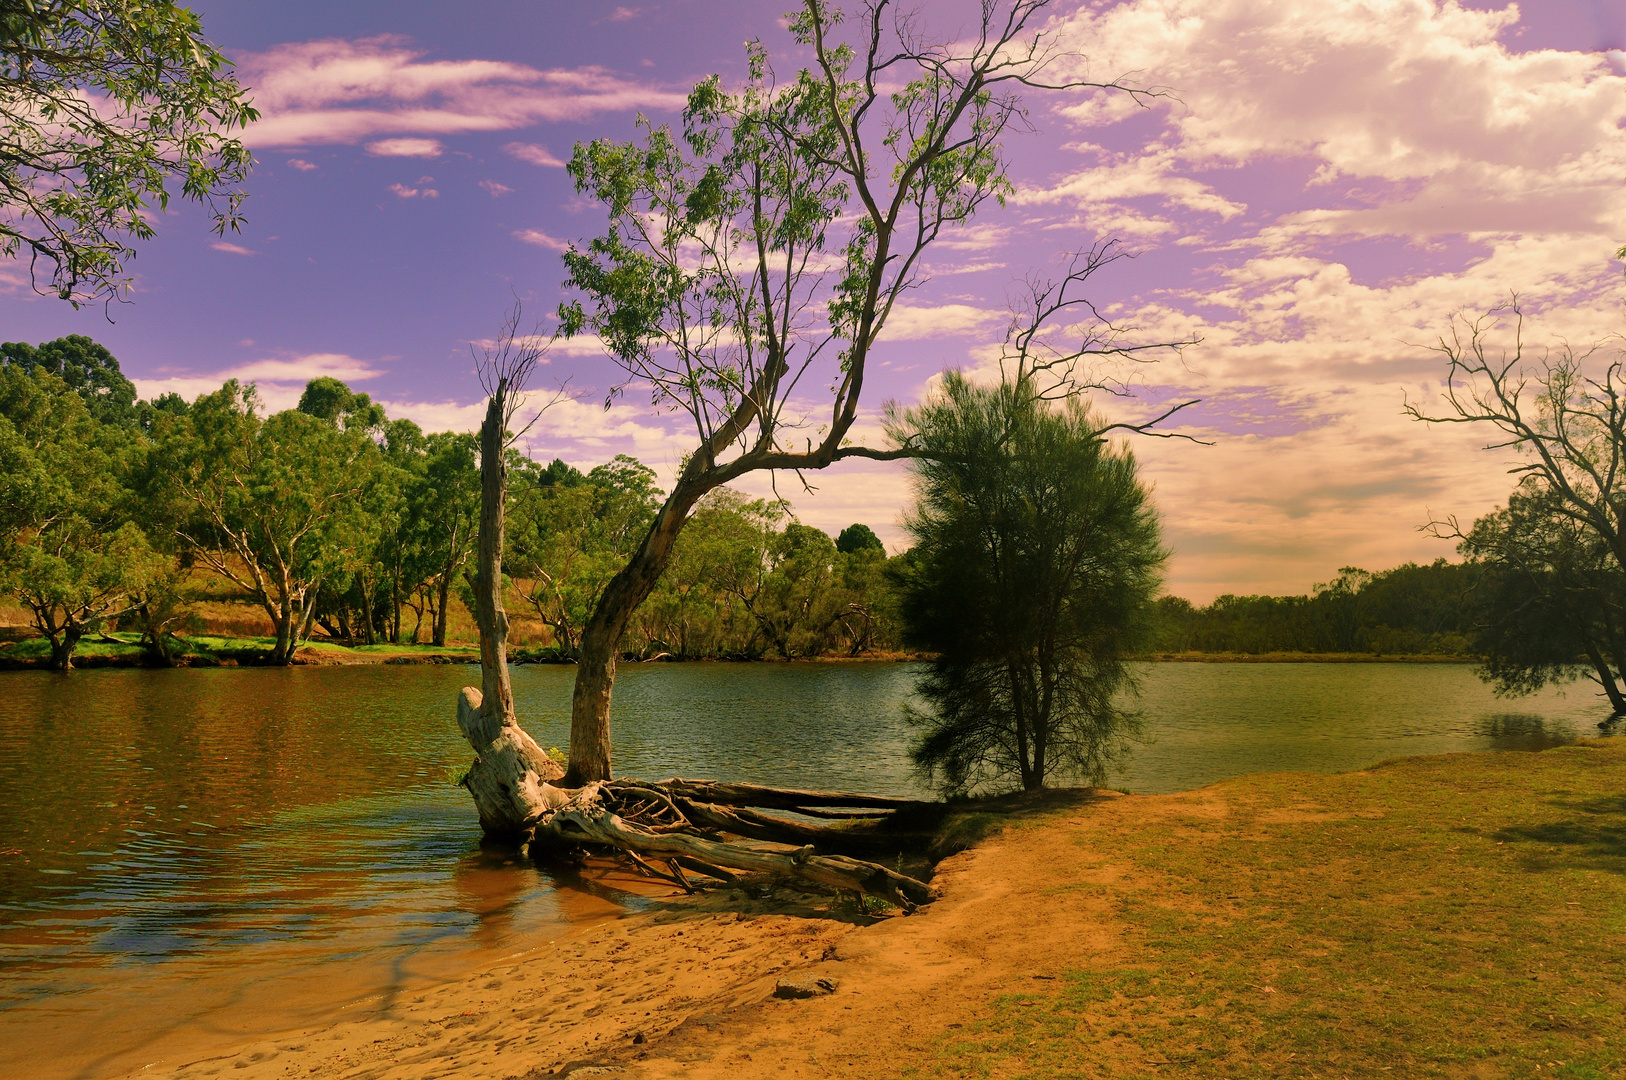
(1282,924)
(251,652)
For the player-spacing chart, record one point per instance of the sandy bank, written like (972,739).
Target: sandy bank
(1453,916)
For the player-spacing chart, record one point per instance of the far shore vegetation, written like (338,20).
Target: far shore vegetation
(147,567)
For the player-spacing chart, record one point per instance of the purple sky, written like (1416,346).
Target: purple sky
(1331,181)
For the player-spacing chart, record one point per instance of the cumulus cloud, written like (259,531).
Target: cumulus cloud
(1329,184)
(338,91)
(945,320)
(1416,116)
(301,164)
(494,189)
(234,249)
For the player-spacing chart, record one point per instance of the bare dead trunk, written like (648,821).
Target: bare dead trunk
(496,693)
(510,777)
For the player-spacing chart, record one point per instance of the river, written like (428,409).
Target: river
(192,858)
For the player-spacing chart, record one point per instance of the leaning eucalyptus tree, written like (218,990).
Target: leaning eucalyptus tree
(752,260)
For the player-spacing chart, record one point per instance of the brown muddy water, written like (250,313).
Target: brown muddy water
(191,859)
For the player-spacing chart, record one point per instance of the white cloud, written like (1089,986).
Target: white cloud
(405,148)
(542,239)
(494,189)
(301,164)
(405,192)
(337,91)
(280,380)
(1418,119)
(235,249)
(946,320)
(535,153)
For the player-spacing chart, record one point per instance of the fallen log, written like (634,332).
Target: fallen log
(511,781)
(585,818)
(742,821)
(769,798)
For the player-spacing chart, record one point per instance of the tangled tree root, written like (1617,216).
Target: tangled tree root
(679,824)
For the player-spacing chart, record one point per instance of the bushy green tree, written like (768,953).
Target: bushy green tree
(568,535)
(87,368)
(269,504)
(1035,563)
(69,551)
(858,537)
(104,104)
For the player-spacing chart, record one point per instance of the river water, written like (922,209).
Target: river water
(192,858)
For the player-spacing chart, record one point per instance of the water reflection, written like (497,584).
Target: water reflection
(1521,731)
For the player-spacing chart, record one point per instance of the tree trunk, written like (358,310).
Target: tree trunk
(601,639)
(497,696)
(282,618)
(63,647)
(1606,679)
(510,776)
(443,593)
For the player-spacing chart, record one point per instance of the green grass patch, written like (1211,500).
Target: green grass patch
(1452,916)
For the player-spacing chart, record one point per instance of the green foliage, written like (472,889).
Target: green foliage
(103,104)
(569,534)
(271,505)
(1037,558)
(745,582)
(84,367)
(327,398)
(69,552)
(1551,598)
(858,537)
(1411,609)
(335,517)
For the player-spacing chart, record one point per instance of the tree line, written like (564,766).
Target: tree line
(1435,610)
(338,522)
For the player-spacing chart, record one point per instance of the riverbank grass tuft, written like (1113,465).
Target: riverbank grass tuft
(1453,916)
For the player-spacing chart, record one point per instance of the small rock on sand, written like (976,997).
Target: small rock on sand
(804,988)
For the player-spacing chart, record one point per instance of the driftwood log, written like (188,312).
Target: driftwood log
(678,823)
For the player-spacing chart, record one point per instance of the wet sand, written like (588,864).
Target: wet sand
(689,990)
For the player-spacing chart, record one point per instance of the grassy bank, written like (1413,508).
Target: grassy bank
(1455,916)
(126,650)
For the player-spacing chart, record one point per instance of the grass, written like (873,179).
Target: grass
(1454,916)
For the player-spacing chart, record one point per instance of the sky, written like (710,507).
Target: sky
(1324,186)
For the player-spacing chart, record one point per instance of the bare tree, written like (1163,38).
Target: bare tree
(751,263)
(1568,427)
